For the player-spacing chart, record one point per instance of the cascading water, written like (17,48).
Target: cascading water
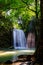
(19,39)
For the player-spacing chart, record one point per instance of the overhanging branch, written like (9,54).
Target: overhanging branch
(28,6)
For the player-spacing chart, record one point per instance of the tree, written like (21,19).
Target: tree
(39,50)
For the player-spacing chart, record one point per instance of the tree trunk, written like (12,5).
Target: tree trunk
(41,33)
(39,51)
(41,23)
(36,9)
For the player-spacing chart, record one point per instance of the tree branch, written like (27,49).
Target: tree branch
(28,6)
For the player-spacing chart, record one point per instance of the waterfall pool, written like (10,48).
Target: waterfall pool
(8,55)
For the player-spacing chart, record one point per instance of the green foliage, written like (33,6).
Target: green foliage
(10,10)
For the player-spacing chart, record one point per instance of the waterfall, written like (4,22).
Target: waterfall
(19,39)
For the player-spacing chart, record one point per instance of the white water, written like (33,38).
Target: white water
(19,37)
